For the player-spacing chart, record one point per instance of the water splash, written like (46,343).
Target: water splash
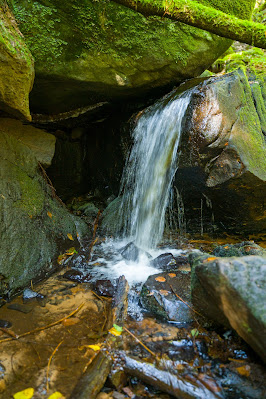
(150,170)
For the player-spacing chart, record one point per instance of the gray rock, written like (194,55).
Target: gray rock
(231,291)
(158,298)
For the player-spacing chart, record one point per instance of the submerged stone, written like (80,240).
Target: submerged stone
(104,288)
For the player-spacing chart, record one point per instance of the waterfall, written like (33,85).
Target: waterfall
(150,169)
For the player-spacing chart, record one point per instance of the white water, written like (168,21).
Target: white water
(150,169)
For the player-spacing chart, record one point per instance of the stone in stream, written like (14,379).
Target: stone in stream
(158,296)
(132,253)
(5,324)
(168,262)
(104,288)
(77,276)
(29,294)
(231,291)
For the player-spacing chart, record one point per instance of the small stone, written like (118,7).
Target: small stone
(5,323)
(76,275)
(118,395)
(20,308)
(103,395)
(104,288)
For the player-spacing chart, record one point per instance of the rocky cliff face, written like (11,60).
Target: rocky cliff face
(91,51)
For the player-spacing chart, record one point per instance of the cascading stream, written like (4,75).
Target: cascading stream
(150,170)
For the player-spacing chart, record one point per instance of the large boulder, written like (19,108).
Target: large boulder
(41,143)
(16,68)
(33,222)
(92,51)
(231,291)
(222,166)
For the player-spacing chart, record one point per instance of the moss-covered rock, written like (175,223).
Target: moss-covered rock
(89,51)
(16,68)
(33,223)
(222,167)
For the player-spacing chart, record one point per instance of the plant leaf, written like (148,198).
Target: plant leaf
(26,394)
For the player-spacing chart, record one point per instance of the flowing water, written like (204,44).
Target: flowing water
(150,169)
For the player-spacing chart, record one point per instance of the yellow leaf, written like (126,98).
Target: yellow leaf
(26,394)
(70,251)
(56,395)
(115,332)
(96,348)
(161,279)
(70,237)
(164,292)
(49,214)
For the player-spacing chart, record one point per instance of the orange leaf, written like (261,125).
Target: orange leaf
(171,275)
(49,214)
(209,259)
(70,237)
(244,370)
(61,259)
(70,322)
(161,279)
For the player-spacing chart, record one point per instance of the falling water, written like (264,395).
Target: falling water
(150,170)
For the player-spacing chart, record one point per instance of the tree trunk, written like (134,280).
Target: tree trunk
(200,16)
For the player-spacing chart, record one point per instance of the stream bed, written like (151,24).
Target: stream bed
(47,334)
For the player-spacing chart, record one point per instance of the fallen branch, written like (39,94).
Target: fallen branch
(44,327)
(176,385)
(202,17)
(48,366)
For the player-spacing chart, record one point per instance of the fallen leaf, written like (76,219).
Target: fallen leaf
(71,321)
(56,395)
(26,394)
(70,236)
(71,251)
(164,292)
(96,348)
(150,293)
(209,259)
(61,259)
(49,214)
(226,247)
(116,330)
(161,279)
(244,370)
(171,275)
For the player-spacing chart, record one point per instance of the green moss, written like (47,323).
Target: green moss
(100,27)
(32,194)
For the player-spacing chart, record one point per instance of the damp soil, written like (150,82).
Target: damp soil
(67,315)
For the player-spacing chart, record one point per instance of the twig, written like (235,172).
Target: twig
(193,310)
(50,184)
(44,327)
(90,248)
(94,240)
(141,343)
(48,366)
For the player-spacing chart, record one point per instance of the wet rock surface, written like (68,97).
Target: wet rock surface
(241,249)
(159,296)
(231,291)
(132,253)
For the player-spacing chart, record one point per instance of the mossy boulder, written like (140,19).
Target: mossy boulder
(16,68)
(33,223)
(90,51)
(222,166)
